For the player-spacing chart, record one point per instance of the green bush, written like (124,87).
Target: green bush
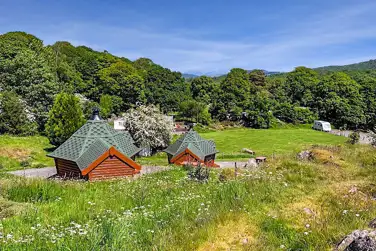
(199,173)
(25,163)
(354,138)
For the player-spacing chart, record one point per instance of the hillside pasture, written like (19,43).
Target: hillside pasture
(286,205)
(268,142)
(24,152)
(30,152)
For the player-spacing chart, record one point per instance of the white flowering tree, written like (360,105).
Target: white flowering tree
(148,127)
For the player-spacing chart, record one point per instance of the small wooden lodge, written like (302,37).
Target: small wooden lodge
(190,148)
(97,151)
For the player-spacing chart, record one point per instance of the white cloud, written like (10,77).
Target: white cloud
(316,40)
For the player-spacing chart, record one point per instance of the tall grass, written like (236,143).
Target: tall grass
(288,204)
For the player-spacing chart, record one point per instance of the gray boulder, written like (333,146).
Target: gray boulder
(251,164)
(359,240)
(305,155)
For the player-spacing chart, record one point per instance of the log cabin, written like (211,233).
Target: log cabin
(191,149)
(96,151)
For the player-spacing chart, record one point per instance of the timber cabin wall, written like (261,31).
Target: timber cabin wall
(112,167)
(187,158)
(209,161)
(67,169)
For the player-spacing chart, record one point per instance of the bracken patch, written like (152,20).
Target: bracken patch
(15,153)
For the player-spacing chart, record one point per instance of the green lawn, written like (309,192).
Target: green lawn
(229,143)
(267,142)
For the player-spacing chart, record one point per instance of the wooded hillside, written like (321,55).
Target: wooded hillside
(37,73)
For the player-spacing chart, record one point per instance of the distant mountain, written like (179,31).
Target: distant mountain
(188,75)
(198,74)
(268,73)
(362,66)
(368,65)
(216,75)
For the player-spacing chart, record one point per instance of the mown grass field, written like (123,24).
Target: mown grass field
(287,204)
(268,142)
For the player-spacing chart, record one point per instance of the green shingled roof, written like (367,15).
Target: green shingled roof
(192,141)
(91,141)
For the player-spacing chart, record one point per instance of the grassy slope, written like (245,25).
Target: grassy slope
(32,150)
(288,203)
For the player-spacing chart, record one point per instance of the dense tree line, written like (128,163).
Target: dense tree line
(32,75)
(346,99)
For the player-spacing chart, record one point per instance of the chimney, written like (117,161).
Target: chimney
(95,114)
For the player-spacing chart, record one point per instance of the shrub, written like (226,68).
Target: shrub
(227,174)
(25,163)
(199,173)
(353,138)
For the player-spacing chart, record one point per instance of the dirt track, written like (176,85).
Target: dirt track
(364,137)
(47,172)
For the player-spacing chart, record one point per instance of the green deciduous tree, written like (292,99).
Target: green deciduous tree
(25,69)
(204,89)
(196,111)
(110,105)
(289,113)
(258,78)
(299,85)
(64,118)
(258,113)
(235,94)
(133,91)
(338,100)
(165,88)
(106,106)
(14,118)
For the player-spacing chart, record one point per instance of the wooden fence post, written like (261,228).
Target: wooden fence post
(236,170)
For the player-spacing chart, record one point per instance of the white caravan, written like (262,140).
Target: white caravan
(321,126)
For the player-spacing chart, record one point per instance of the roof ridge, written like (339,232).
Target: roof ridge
(86,139)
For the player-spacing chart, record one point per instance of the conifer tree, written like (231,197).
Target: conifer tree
(64,118)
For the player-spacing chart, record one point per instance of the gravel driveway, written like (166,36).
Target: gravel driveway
(47,172)
(364,137)
(36,172)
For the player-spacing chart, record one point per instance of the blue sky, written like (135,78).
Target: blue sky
(207,36)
